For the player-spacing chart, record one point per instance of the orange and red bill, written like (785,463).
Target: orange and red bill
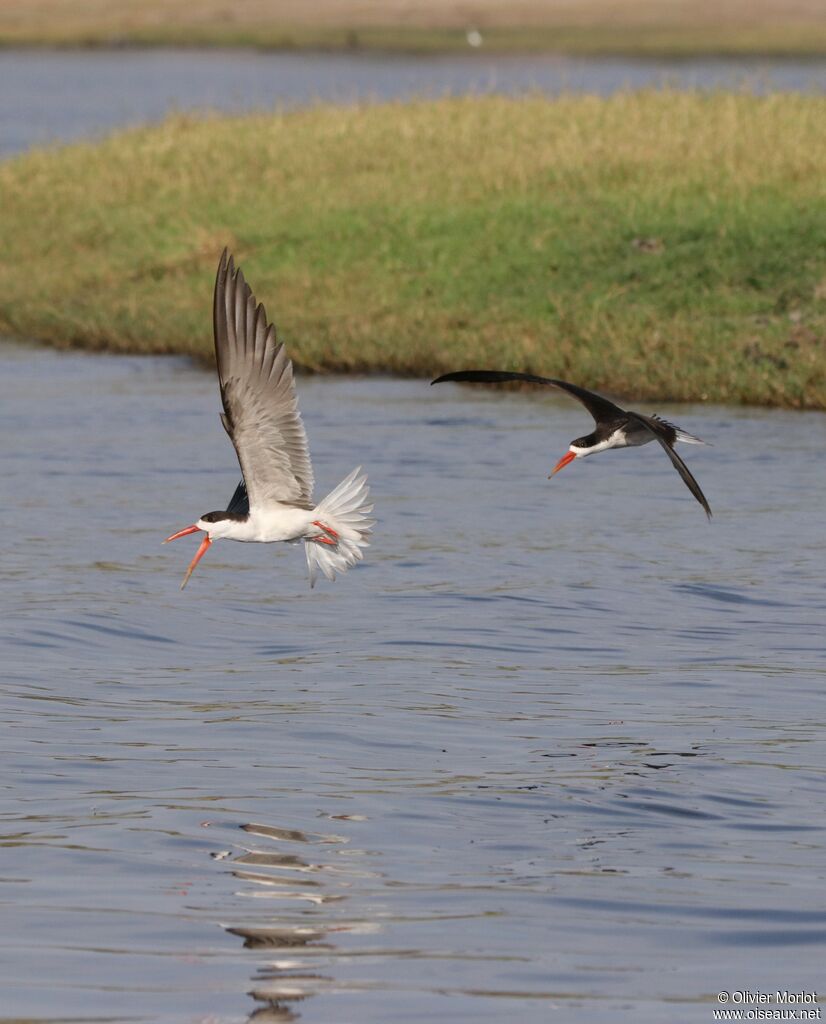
(563,462)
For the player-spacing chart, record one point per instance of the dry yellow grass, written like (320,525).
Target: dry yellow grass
(676,26)
(666,244)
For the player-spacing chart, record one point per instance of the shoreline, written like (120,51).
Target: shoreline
(205,363)
(662,244)
(713,46)
(814,55)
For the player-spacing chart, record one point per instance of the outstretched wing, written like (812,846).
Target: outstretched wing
(258,393)
(663,430)
(600,408)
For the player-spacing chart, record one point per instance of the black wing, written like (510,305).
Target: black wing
(600,408)
(239,503)
(659,428)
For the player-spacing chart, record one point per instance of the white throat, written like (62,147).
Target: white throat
(616,440)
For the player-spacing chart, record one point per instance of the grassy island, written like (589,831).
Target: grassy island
(663,245)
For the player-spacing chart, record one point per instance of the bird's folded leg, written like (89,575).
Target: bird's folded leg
(327,529)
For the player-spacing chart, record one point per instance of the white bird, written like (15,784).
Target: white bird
(273,501)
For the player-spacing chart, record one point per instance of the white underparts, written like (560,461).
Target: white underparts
(332,547)
(619,439)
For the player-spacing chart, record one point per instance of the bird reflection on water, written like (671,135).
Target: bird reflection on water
(281,983)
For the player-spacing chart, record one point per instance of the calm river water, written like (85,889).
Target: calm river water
(555,751)
(47,95)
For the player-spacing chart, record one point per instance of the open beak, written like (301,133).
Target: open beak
(563,462)
(199,554)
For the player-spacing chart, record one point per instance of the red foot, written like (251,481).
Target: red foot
(324,540)
(326,529)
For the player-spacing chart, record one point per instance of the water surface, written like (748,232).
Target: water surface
(47,96)
(554,751)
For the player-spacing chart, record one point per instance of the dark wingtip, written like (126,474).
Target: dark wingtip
(220,276)
(493,377)
(224,262)
(456,375)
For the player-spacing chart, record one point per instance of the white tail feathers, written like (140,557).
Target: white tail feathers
(346,510)
(687,438)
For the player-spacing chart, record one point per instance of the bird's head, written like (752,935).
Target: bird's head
(577,449)
(216,524)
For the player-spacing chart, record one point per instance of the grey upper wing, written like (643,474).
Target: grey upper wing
(600,408)
(656,427)
(258,393)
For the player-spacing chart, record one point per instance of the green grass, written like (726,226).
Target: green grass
(660,245)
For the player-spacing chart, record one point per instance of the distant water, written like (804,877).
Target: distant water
(556,751)
(54,95)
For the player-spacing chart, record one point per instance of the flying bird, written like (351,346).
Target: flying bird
(273,501)
(615,427)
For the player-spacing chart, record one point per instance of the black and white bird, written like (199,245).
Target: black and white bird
(615,427)
(273,501)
